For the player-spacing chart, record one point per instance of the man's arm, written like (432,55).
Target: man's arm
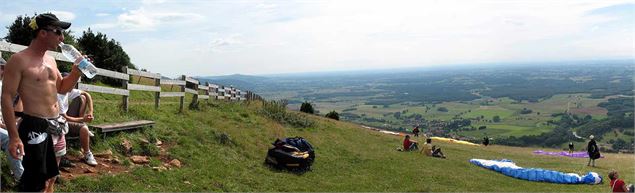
(89,102)
(88,116)
(73,119)
(66,84)
(11,80)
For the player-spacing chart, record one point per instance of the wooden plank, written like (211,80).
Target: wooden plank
(172,94)
(144,87)
(220,97)
(213,86)
(172,82)
(203,96)
(203,87)
(192,80)
(191,91)
(104,128)
(14,48)
(112,74)
(144,74)
(103,89)
(213,94)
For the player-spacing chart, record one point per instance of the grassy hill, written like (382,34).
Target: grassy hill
(222,147)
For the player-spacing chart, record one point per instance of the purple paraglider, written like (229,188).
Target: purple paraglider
(579,154)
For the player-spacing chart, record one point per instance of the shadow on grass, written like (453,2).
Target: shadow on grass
(282,169)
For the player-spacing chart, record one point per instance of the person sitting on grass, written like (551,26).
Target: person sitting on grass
(409,145)
(618,185)
(431,150)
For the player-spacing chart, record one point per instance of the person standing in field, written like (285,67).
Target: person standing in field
(34,75)
(593,150)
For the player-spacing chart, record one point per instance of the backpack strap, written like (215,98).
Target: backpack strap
(613,186)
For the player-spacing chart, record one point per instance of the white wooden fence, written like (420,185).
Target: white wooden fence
(185,83)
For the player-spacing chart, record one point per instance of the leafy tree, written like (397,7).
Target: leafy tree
(106,54)
(482,127)
(333,115)
(496,119)
(442,109)
(307,108)
(619,144)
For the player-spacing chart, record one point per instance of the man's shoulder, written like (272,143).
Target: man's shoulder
(17,58)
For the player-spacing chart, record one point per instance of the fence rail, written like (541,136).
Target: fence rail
(185,84)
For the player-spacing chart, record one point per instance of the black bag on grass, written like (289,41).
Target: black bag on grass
(291,153)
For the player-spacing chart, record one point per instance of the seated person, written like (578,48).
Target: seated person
(77,113)
(409,145)
(431,150)
(618,185)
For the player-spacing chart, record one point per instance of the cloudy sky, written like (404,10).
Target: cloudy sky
(197,37)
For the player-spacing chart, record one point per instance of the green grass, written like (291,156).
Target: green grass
(349,158)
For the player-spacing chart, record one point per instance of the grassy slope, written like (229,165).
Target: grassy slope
(349,158)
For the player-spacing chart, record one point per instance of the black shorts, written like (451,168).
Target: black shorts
(39,160)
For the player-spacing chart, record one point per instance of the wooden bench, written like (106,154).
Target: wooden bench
(112,127)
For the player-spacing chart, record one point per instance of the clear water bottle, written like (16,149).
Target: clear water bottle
(85,66)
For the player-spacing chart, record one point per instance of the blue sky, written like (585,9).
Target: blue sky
(200,38)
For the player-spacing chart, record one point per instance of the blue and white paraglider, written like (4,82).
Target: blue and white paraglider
(509,168)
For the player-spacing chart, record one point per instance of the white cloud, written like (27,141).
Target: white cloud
(143,20)
(64,15)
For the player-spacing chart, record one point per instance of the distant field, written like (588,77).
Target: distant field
(512,122)
(506,130)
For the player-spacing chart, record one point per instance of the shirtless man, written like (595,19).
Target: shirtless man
(34,76)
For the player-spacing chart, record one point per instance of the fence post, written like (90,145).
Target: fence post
(207,91)
(125,86)
(195,97)
(182,99)
(157,95)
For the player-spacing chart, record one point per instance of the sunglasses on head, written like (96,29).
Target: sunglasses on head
(56,31)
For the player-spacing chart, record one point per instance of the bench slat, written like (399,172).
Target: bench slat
(105,128)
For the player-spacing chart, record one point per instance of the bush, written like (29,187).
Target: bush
(525,111)
(333,115)
(307,108)
(442,109)
(496,119)
(278,112)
